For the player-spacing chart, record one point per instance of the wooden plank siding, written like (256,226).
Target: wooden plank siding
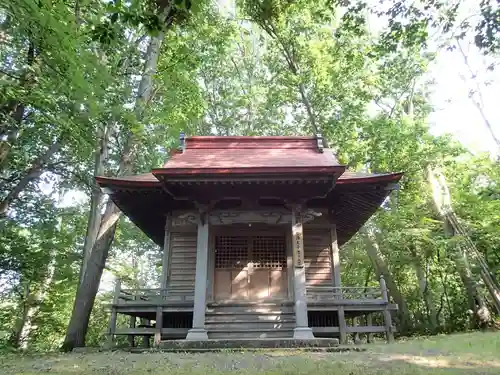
(182,273)
(317,257)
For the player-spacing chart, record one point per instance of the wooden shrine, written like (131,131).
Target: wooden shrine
(250,229)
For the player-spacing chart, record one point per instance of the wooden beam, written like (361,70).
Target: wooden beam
(165,264)
(366,329)
(350,329)
(335,256)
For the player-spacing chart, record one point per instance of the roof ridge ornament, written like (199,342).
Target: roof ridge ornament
(320,143)
(182,141)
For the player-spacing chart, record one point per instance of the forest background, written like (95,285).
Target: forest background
(92,87)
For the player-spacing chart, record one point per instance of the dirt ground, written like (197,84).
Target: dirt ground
(472,353)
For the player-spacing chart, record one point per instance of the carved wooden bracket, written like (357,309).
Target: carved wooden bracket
(227,217)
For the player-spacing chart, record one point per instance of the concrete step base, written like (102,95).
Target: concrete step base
(256,334)
(266,343)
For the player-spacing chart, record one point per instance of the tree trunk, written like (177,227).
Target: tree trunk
(94,219)
(442,205)
(472,251)
(426,295)
(381,268)
(30,175)
(87,290)
(36,301)
(15,337)
(33,298)
(14,110)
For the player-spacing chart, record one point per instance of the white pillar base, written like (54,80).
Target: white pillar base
(197,334)
(303,333)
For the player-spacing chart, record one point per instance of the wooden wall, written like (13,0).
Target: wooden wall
(182,262)
(182,259)
(317,257)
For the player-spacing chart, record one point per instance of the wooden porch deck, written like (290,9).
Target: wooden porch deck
(332,312)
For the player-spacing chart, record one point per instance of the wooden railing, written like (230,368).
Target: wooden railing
(314,293)
(150,296)
(364,294)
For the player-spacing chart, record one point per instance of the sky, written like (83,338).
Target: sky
(454,111)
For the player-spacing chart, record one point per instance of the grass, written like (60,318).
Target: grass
(460,354)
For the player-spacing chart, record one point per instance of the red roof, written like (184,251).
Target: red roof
(250,154)
(353,198)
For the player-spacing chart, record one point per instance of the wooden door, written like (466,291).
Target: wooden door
(250,267)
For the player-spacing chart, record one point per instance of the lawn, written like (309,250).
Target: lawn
(471,353)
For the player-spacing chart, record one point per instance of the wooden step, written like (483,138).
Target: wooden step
(243,326)
(215,318)
(265,302)
(250,313)
(251,309)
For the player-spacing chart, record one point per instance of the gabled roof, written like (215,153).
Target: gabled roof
(223,155)
(352,196)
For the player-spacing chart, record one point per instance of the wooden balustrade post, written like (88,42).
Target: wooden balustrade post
(335,258)
(387,314)
(383,289)
(145,338)
(356,337)
(369,323)
(114,313)
(159,325)
(131,338)
(342,326)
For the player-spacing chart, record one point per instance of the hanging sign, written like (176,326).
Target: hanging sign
(298,246)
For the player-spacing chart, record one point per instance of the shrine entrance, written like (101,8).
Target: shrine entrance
(250,265)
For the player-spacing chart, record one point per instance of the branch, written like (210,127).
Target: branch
(478,104)
(9,75)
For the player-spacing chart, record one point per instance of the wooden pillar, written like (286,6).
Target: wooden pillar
(198,331)
(342,326)
(369,323)
(302,330)
(335,257)
(387,314)
(114,313)
(165,262)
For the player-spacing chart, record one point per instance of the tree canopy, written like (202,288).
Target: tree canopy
(105,88)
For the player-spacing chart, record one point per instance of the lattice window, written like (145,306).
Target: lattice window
(231,251)
(269,252)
